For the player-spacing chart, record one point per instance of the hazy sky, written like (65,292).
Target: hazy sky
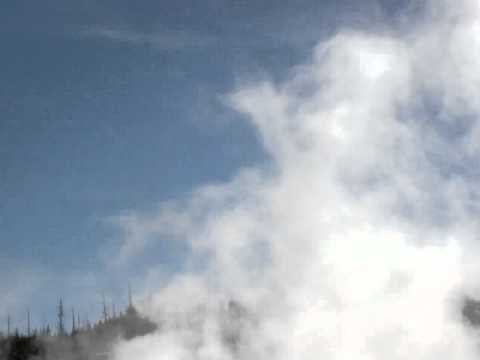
(113,106)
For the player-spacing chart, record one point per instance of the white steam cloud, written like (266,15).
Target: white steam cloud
(358,241)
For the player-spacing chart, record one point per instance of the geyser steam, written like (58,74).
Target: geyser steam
(358,240)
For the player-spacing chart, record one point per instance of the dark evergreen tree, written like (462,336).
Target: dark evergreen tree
(74,329)
(61,315)
(104,309)
(28,322)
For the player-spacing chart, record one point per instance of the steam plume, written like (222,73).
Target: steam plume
(357,241)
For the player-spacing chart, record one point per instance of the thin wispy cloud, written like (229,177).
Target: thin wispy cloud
(162,40)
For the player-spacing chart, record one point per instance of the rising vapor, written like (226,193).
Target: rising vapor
(358,240)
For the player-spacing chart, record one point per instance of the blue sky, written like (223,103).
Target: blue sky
(114,106)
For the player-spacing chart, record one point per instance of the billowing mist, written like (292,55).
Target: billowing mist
(358,239)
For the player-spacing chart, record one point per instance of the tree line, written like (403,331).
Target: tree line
(83,341)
